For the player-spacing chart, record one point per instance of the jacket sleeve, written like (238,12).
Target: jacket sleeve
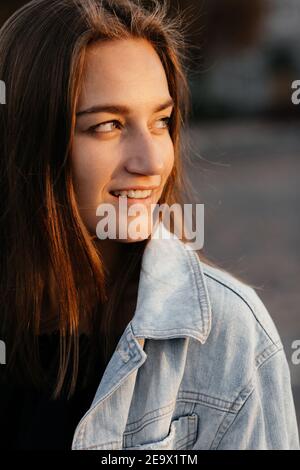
(267,419)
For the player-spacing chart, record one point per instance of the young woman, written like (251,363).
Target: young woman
(116,343)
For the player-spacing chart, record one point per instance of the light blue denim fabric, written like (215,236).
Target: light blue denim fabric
(212,374)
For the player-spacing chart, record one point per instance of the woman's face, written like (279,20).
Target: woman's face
(128,145)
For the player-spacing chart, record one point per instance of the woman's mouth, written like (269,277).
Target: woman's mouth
(134,196)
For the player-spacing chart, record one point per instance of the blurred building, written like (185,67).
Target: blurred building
(246,57)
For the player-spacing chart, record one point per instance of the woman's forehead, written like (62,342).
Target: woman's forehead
(124,68)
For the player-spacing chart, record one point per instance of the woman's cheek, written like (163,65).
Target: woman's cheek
(89,163)
(89,178)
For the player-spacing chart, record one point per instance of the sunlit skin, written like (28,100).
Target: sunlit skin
(114,150)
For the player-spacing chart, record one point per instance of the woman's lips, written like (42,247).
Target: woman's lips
(131,201)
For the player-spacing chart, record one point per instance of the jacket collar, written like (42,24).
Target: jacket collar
(172,296)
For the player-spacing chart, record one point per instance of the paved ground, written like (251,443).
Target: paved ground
(248,176)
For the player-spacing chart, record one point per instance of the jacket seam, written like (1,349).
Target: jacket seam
(100,446)
(251,388)
(211,401)
(220,434)
(144,421)
(267,353)
(245,299)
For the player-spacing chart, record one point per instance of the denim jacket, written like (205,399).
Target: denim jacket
(200,365)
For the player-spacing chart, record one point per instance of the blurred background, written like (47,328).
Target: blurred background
(245,136)
(244,145)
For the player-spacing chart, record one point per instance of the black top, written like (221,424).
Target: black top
(31,420)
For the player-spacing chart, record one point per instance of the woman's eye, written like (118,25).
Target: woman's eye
(165,121)
(109,126)
(105,127)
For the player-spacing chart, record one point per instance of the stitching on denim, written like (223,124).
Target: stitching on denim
(244,298)
(230,418)
(146,423)
(214,407)
(196,291)
(116,387)
(192,421)
(102,446)
(184,407)
(203,398)
(188,439)
(178,330)
(250,385)
(179,333)
(231,421)
(192,392)
(195,401)
(169,406)
(277,351)
(201,292)
(267,353)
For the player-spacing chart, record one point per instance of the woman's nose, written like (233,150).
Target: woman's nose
(145,156)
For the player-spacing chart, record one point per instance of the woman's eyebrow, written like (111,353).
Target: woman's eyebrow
(121,109)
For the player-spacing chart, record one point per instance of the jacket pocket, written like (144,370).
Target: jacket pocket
(182,435)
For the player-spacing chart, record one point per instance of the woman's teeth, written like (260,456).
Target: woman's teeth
(134,194)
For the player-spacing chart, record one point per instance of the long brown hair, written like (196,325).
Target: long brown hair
(45,248)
